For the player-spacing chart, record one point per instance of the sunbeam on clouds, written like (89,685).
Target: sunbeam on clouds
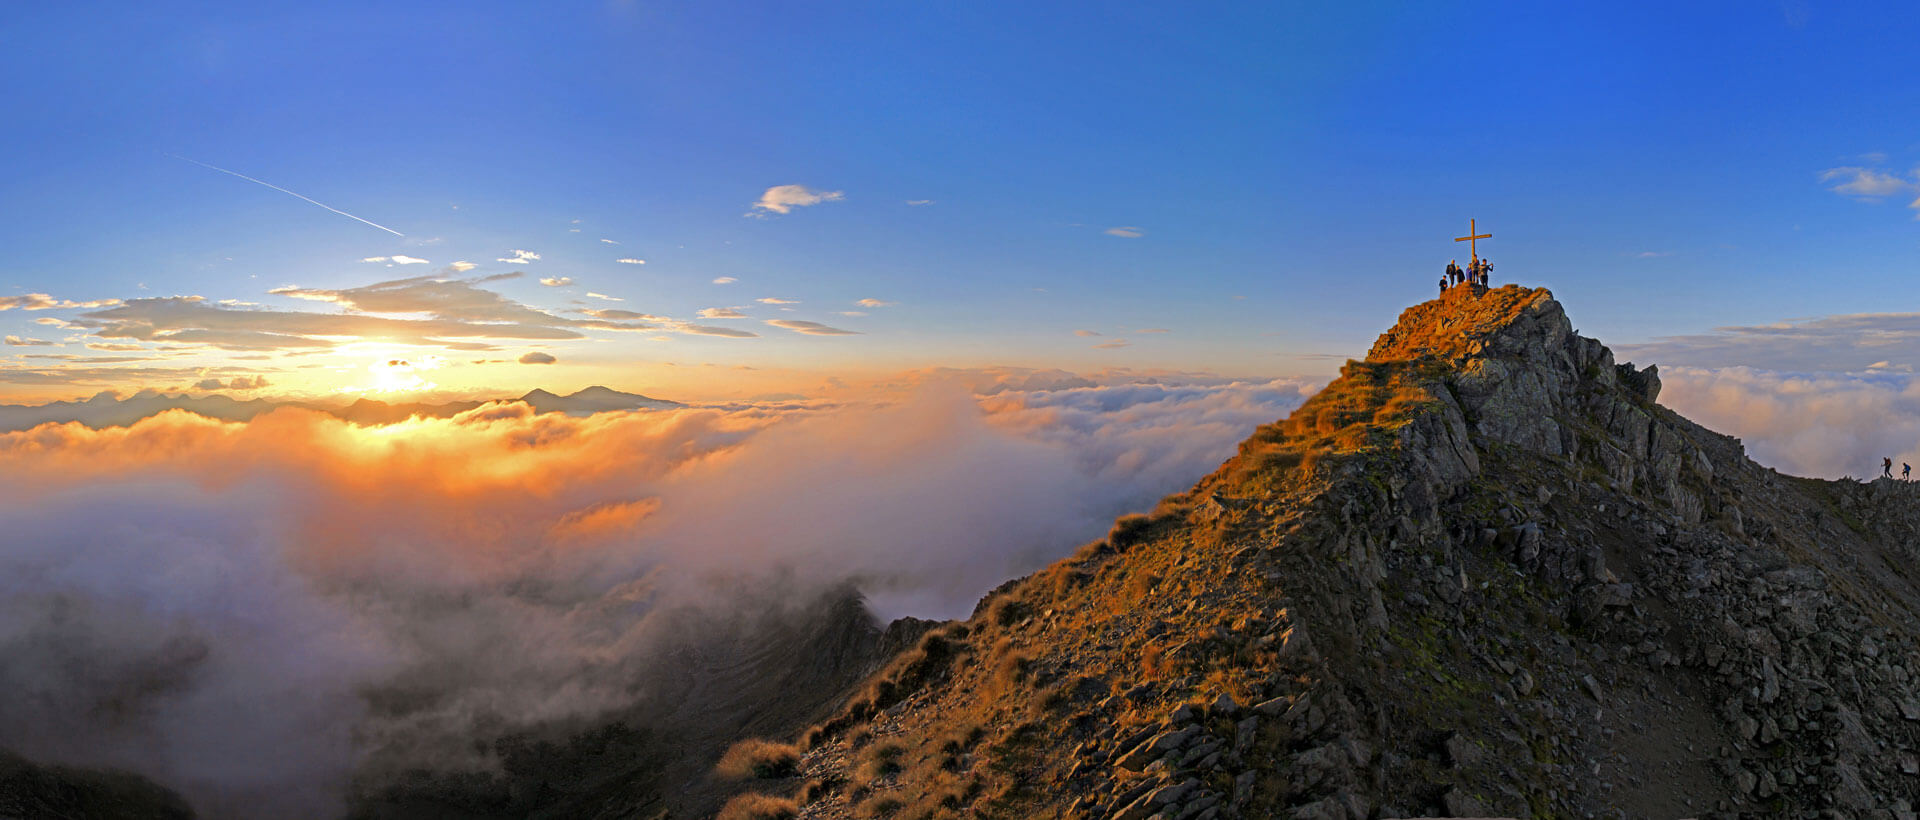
(254,582)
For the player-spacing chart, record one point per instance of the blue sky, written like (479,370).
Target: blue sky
(1293,175)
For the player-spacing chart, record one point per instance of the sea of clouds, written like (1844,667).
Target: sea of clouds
(208,603)
(1825,425)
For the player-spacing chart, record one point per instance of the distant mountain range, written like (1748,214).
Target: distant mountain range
(108,409)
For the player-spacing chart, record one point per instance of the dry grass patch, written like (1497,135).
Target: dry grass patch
(758,807)
(885,805)
(762,759)
(882,760)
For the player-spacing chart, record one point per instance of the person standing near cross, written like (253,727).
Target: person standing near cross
(1473,237)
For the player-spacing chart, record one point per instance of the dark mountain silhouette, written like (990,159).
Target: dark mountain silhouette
(594,399)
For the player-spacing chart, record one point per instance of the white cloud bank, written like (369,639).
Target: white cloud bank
(239,588)
(1825,425)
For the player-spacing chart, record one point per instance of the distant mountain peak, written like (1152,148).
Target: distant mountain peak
(595,399)
(110,409)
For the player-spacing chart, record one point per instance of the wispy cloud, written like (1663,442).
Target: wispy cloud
(1854,180)
(460,314)
(721,313)
(781,199)
(724,280)
(458,267)
(41,301)
(397,259)
(810,328)
(609,241)
(628,260)
(1126,231)
(538,357)
(624,315)
(873,303)
(17,341)
(519,257)
(775,300)
(710,330)
(1154,330)
(556,281)
(1840,343)
(919,202)
(1874,185)
(1113,345)
(1086,333)
(605,297)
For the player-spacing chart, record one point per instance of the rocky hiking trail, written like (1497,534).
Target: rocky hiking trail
(1483,573)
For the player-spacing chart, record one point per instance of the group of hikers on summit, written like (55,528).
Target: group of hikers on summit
(1886,469)
(1475,273)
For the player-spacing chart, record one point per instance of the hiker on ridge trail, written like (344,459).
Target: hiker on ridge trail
(1443,283)
(1886,467)
(1905,470)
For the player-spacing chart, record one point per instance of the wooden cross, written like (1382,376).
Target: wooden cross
(1471,238)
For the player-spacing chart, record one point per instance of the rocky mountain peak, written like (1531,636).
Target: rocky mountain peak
(1482,573)
(1468,321)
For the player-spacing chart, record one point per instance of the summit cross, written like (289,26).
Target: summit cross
(1473,245)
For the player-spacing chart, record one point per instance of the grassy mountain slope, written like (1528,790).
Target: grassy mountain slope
(1482,573)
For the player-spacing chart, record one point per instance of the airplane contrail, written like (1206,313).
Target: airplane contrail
(285,191)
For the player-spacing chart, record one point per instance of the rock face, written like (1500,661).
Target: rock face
(1481,574)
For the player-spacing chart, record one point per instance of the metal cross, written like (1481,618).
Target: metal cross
(1473,246)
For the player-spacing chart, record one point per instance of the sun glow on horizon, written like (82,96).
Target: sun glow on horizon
(397,374)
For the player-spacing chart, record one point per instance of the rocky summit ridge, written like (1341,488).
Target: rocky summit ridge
(1482,573)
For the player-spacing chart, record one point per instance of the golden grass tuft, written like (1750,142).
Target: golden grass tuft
(1009,673)
(758,807)
(1008,611)
(1129,530)
(880,806)
(761,759)
(879,761)
(1153,662)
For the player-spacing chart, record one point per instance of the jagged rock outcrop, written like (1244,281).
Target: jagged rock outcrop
(1482,573)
